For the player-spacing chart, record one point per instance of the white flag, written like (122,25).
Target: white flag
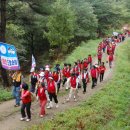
(33,62)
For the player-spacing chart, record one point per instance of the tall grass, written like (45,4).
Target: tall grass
(109,109)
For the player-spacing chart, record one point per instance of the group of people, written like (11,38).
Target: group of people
(46,84)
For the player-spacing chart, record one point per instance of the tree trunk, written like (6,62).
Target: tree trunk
(2,39)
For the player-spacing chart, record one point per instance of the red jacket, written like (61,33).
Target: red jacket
(51,87)
(94,73)
(102,69)
(41,94)
(26,96)
(73,82)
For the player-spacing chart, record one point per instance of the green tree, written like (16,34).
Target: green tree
(86,19)
(61,24)
(110,14)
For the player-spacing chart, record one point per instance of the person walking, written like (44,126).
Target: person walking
(26,103)
(85,79)
(17,79)
(52,90)
(110,59)
(41,96)
(73,88)
(33,80)
(94,74)
(102,70)
(99,55)
(90,60)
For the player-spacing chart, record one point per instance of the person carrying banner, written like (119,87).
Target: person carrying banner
(17,79)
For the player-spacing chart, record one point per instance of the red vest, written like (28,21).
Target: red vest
(102,69)
(26,99)
(100,56)
(111,57)
(89,59)
(51,87)
(73,82)
(94,73)
(55,77)
(68,73)
(86,77)
(41,94)
(85,64)
(64,72)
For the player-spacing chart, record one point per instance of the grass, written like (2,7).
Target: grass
(5,94)
(109,109)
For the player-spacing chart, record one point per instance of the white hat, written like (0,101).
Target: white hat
(50,78)
(32,70)
(42,74)
(47,68)
(96,65)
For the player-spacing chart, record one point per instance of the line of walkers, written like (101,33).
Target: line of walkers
(46,84)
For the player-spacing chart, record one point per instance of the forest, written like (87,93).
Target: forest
(43,27)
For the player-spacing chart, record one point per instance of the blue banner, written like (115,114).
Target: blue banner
(9,59)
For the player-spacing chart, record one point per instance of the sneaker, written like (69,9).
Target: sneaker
(16,105)
(57,105)
(28,120)
(67,99)
(75,100)
(48,107)
(41,116)
(23,119)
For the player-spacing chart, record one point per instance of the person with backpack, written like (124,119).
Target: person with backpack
(85,79)
(26,103)
(41,96)
(102,70)
(52,90)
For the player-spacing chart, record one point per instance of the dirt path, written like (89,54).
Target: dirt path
(9,116)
